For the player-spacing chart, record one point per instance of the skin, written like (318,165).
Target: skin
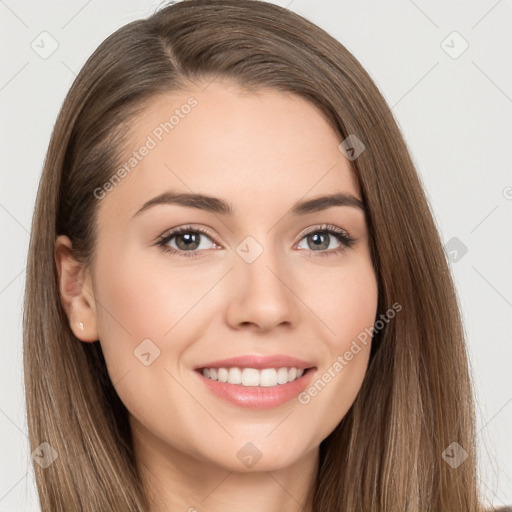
(262,152)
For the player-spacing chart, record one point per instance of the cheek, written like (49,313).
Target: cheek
(345,302)
(347,307)
(144,298)
(353,315)
(144,315)
(142,312)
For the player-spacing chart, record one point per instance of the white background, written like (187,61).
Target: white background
(455,114)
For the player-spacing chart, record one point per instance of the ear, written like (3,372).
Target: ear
(76,292)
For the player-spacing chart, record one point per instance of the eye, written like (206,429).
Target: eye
(188,240)
(320,238)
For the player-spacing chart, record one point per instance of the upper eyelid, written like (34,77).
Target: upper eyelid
(171,233)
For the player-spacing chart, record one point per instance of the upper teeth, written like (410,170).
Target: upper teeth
(252,376)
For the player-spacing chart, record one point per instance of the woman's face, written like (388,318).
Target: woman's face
(264,282)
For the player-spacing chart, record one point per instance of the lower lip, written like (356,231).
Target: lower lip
(258,397)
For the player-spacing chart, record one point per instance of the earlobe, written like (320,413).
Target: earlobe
(76,292)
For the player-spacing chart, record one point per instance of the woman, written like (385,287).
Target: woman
(311,355)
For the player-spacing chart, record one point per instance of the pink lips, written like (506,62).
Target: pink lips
(259,362)
(258,397)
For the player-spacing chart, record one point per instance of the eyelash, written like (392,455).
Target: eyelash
(341,235)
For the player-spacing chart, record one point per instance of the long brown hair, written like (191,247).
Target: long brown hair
(386,454)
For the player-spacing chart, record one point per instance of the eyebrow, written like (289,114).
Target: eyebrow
(222,207)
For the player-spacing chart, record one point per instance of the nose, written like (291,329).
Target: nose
(261,294)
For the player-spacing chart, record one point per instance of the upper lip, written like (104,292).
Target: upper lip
(258,362)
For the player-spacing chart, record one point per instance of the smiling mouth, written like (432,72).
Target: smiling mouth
(253,377)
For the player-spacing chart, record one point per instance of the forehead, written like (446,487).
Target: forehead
(252,148)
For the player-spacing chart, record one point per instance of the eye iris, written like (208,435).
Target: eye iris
(190,238)
(316,237)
